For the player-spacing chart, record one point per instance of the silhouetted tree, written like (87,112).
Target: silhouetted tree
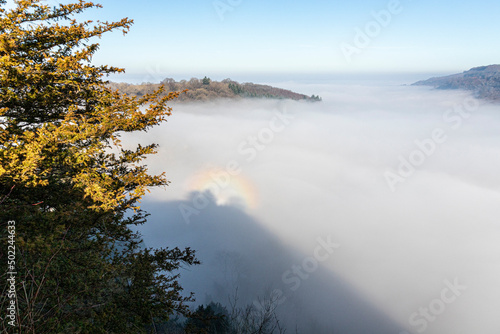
(212,319)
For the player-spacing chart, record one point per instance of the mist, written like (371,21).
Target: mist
(373,211)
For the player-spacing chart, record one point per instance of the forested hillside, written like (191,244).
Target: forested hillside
(484,81)
(206,89)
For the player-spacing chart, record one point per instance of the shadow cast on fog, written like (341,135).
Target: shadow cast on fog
(238,254)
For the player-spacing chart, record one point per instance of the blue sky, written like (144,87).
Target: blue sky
(228,37)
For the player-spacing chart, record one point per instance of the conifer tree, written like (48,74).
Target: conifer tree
(70,186)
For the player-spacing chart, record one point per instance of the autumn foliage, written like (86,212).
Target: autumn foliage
(71,187)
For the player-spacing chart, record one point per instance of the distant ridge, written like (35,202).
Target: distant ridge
(205,89)
(484,81)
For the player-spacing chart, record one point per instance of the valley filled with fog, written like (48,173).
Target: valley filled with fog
(373,211)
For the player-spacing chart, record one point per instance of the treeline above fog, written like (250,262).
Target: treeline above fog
(205,89)
(484,81)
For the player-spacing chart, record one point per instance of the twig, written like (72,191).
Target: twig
(5,197)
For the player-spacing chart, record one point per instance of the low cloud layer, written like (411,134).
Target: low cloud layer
(404,179)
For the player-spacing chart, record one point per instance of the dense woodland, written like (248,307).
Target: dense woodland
(205,89)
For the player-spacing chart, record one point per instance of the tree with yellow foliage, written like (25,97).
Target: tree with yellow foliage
(70,187)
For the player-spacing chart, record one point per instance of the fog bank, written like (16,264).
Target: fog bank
(402,180)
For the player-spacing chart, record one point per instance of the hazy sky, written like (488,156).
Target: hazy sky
(195,37)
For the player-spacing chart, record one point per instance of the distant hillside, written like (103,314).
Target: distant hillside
(206,89)
(484,81)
